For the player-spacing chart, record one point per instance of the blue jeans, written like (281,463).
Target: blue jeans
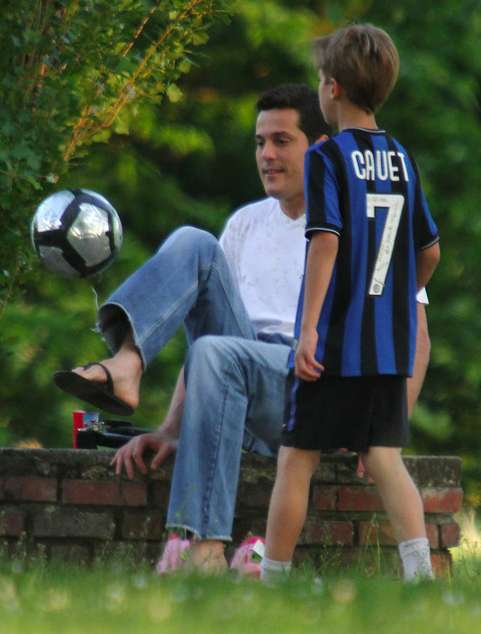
(235,382)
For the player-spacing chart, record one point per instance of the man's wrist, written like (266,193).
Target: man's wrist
(169,427)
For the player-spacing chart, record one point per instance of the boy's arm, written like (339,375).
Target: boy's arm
(320,263)
(426,263)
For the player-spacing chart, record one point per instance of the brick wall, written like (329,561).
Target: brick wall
(68,504)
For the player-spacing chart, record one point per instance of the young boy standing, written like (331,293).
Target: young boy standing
(372,243)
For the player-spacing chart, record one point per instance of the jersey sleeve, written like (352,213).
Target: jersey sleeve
(322,194)
(425,230)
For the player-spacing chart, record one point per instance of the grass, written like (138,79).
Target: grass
(72,600)
(41,598)
(467,556)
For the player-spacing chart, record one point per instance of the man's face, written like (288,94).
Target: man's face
(280,149)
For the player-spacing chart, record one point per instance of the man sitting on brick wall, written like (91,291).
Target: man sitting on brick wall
(237,299)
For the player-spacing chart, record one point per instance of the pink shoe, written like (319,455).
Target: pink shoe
(173,555)
(247,558)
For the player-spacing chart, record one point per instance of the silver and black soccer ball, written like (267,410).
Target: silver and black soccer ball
(76,233)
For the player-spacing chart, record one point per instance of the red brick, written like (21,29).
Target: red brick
(382,532)
(450,535)
(245,526)
(433,535)
(376,533)
(159,494)
(442,563)
(325,498)
(130,553)
(143,525)
(68,551)
(359,498)
(329,533)
(62,522)
(12,523)
(28,489)
(325,472)
(254,495)
(104,493)
(442,500)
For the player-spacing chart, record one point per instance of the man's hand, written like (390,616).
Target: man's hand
(131,454)
(361,471)
(307,367)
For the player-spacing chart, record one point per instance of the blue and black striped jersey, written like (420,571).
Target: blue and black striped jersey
(364,186)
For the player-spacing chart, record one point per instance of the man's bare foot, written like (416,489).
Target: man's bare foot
(207,556)
(126,370)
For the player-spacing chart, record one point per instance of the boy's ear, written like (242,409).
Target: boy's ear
(336,89)
(322,138)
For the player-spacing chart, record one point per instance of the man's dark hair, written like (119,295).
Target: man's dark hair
(301,98)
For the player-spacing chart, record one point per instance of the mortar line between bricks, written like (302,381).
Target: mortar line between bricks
(27,535)
(150,494)
(118,516)
(60,490)
(336,479)
(355,532)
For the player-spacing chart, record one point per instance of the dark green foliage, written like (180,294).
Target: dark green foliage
(68,69)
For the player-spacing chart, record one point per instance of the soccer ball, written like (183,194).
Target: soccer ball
(76,233)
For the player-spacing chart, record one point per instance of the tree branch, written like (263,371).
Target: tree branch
(86,127)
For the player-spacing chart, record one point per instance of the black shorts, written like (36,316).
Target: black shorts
(351,412)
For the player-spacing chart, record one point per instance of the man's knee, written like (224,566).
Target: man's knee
(208,356)
(191,238)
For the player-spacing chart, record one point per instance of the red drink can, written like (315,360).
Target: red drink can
(78,423)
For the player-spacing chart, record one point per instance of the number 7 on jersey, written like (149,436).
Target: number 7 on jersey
(394,204)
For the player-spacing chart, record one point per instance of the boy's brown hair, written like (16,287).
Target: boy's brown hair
(363,59)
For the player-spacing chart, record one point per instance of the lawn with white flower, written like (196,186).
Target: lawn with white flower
(115,597)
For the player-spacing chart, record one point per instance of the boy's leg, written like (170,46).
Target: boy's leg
(404,506)
(399,494)
(287,509)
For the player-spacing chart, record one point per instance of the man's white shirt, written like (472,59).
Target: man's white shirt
(265,250)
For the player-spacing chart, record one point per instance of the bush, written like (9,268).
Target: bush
(68,70)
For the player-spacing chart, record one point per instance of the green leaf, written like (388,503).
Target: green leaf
(174,93)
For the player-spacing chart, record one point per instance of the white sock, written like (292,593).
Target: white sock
(416,559)
(273,571)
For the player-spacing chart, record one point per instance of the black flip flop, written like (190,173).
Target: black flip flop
(99,394)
